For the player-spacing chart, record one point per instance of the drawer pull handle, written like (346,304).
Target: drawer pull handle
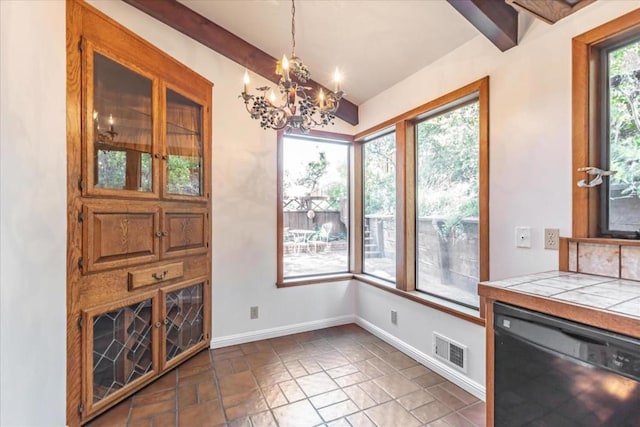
(160,276)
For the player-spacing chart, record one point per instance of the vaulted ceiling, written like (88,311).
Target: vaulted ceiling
(374,43)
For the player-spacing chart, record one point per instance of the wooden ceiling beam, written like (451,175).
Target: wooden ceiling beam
(192,24)
(550,11)
(495,19)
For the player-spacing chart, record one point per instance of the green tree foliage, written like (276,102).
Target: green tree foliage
(314,171)
(447,167)
(184,175)
(624,118)
(380,176)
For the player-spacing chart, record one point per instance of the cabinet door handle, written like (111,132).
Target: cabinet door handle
(166,321)
(158,233)
(158,324)
(164,234)
(156,156)
(160,276)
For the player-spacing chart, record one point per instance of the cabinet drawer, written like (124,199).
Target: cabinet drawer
(118,235)
(152,275)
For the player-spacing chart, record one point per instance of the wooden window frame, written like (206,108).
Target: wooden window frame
(586,115)
(405,200)
(281,281)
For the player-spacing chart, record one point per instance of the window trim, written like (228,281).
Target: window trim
(586,115)
(405,190)
(326,137)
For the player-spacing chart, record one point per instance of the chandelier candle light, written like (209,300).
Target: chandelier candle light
(292,107)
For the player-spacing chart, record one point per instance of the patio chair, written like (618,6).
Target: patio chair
(322,237)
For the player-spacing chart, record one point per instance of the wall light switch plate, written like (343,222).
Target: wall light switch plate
(523,237)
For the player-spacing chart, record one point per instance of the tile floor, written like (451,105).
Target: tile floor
(341,376)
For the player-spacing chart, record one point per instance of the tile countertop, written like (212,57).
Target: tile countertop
(620,299)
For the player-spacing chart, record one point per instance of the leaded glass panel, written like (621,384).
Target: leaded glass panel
(185,315)
(121,348)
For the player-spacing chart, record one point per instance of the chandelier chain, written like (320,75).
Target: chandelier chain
(293,28)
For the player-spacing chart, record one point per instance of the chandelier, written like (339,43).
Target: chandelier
(291,106)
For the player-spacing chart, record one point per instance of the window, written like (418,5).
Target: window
(427,173)
(620,150)
(313,207)
(447,204)
(606,129)
(379,205)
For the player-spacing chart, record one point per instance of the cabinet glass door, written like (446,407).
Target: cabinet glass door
(121,349)
(122,128)
(184,148)
(184,320)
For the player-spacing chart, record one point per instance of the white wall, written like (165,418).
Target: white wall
(32,213)
(530,158)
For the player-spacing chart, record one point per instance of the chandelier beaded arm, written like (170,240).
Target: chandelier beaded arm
(292,107)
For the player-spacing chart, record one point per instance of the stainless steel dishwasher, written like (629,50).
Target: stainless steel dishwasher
(554,372)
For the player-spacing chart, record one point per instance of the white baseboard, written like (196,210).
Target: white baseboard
(235,339)
(440,368)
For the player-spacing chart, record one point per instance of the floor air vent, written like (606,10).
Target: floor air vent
(450,351)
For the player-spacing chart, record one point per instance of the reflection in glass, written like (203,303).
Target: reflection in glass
(184,145)
(379,191)
(122,127)
(184,319)
(315,207)
(623,154)
(447,200)
(121,348)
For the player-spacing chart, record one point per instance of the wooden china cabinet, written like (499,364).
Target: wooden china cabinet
(139,179)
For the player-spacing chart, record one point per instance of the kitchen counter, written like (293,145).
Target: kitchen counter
(599,301)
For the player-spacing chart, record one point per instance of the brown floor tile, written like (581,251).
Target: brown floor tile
(457,420)
(331,360)
(429,380)
(416,399)
(274,396)
(438,423)
(146,422)
(376,393)
(114,417)
(207,391)
(391,414)
(461,394)
(382,366)
(338,410)
(249,348)
(206,375)
(360,420)
(223,368)
(476,413)
(298,414)
(310,365)
(165,382)
(415,371)
(237,383)
(239,364)
(368,369)
(342,371)
(351,379)
(342,422)
(202,415)
(296,369)
(200,363)
(359,397)
(167,419)
(219,354)
(187,396)
(246,408)
(396,385)
(399,360)
(292,391)
(431,411)
(447,398)
(159,396)
(152,409)
(263,419)
(316,384)
(238,399)
(358,354)
(238,422)
(330,398)
(262,358)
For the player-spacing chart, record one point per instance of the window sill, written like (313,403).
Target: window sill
(287,283)
(431,301)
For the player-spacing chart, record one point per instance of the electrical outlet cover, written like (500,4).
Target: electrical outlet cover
(551,238)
